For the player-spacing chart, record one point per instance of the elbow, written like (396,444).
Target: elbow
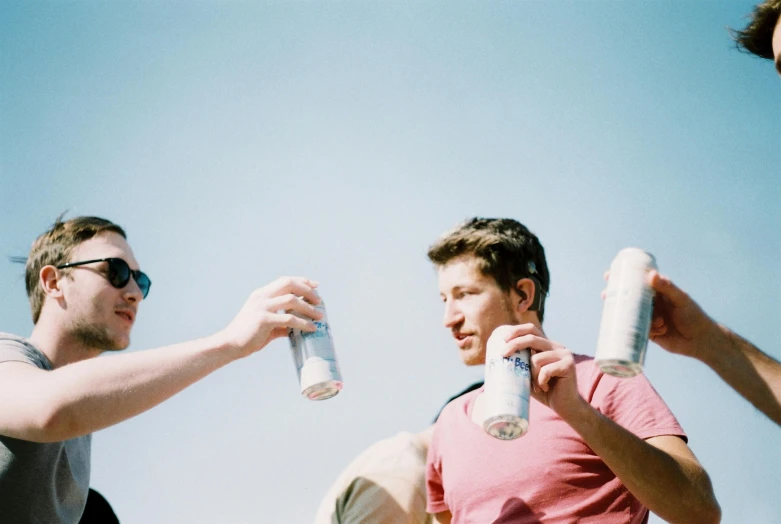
(712,507)
(709,511)
(699,506)
(713,514)
(704,514)
(709,508)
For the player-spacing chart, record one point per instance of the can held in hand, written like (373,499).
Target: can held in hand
(507,389)
(315,359)
(626,314)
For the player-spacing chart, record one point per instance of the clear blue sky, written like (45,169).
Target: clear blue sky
(240,141)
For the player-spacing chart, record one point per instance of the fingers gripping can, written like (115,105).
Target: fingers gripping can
(626,314)
(315,359)
(507,389)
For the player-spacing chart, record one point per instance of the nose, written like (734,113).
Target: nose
(132,292)
(453,315)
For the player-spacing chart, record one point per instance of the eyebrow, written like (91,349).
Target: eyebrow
(464,287)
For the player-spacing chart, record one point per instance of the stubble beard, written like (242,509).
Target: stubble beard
(477,356)
(94,337)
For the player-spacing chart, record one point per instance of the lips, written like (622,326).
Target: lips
(462,339)
(126,314)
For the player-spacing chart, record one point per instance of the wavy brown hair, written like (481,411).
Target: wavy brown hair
(504,249)
(757,36)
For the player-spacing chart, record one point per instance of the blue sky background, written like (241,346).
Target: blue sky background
(240,141)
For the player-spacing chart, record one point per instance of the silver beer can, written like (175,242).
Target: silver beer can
(626,314)
(507,389)
(313,353)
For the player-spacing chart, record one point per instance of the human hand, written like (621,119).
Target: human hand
(259,321)
(553,377)
(678,325)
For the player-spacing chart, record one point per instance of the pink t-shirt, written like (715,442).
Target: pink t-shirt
(549,474)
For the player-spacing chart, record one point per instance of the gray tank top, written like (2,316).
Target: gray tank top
(41,483)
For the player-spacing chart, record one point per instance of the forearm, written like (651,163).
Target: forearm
(748,370)
(91,395)
(674,488)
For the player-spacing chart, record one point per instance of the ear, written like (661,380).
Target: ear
(49,279)
(526,288)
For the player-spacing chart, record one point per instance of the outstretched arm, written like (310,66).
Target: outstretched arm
(79,398)
(681,326)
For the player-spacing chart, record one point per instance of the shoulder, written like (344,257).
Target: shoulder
(584,362)
(591,376)
(386,454)
(11,339)
(398,444)
(588,372)
(598,387)
(631,402)
(17,349)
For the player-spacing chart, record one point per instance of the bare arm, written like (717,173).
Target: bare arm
(748,370)
(80,398)
(661,472)
(681,326)
(443,518)
(77,399)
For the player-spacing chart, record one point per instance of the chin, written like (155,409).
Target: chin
(471,358)
(117,342)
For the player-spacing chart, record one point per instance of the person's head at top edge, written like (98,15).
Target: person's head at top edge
(84,283)
(762,35)
(491,272)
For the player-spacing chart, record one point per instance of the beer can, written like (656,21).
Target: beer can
(507,389)
(626,314)
(313,353)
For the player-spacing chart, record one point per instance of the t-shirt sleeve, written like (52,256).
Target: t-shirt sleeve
(634,404)
(435,491)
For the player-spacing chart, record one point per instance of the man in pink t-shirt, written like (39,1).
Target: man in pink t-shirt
(598,448)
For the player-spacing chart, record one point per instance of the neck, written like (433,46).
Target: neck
(529,317)
(59,346)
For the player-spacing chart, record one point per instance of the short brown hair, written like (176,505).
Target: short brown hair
(54,247)
(504,248)
(757,36)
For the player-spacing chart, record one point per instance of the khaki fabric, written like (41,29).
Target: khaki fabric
(383,485)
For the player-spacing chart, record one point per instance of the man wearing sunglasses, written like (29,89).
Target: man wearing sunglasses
(85,288)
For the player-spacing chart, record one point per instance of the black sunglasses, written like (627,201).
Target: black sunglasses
(119,273)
